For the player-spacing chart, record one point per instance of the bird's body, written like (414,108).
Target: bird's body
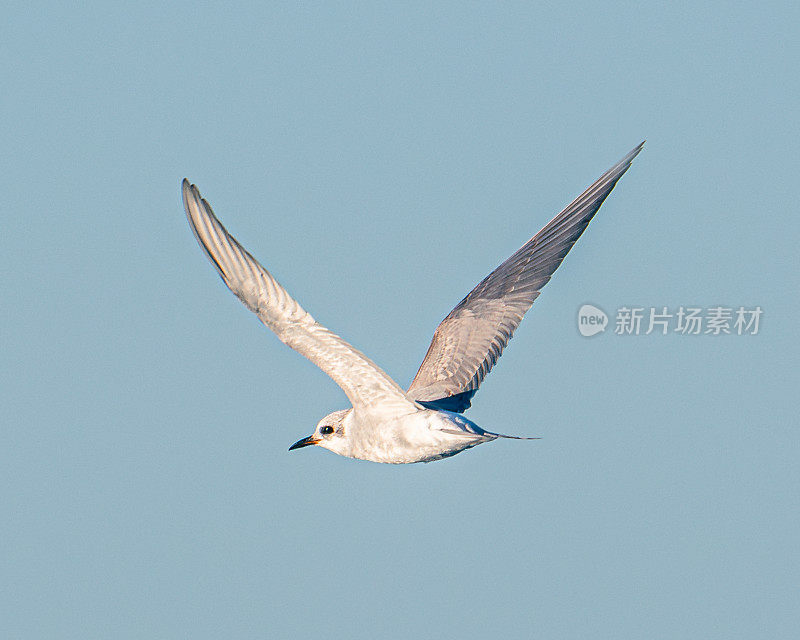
(422,435)
(387,424)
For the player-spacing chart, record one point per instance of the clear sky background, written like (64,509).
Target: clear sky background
(380,159)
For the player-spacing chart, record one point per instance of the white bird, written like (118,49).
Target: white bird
(385,423)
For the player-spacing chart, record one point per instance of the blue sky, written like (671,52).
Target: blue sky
(380,160)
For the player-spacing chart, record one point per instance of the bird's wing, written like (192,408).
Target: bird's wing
(470,340)
(366,385)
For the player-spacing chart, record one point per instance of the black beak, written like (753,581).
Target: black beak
(304,443)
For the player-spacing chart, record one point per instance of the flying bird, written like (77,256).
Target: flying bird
(424,423)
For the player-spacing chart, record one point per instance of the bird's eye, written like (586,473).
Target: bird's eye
(326,430)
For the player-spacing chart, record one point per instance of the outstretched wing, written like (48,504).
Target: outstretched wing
(472,337)
(365,384)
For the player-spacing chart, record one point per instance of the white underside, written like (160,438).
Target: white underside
(421,436)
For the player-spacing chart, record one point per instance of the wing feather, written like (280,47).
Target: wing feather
(471,339)
(364,383)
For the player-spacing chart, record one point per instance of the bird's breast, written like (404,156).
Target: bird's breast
(423,436)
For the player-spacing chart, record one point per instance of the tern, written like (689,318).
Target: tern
(425,423)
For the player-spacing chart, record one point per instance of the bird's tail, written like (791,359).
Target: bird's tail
(503,435)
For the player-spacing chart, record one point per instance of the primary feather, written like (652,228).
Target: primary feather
(471,339)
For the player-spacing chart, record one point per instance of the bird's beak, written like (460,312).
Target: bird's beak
(304,443)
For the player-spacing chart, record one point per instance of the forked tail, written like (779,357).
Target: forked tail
(503,435)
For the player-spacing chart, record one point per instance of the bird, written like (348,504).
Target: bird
(424,423)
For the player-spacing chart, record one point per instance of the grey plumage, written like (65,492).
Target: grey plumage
(471,339)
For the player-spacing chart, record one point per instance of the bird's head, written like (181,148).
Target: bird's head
(331,433)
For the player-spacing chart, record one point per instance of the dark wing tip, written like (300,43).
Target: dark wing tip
(190,192)
(623,164)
